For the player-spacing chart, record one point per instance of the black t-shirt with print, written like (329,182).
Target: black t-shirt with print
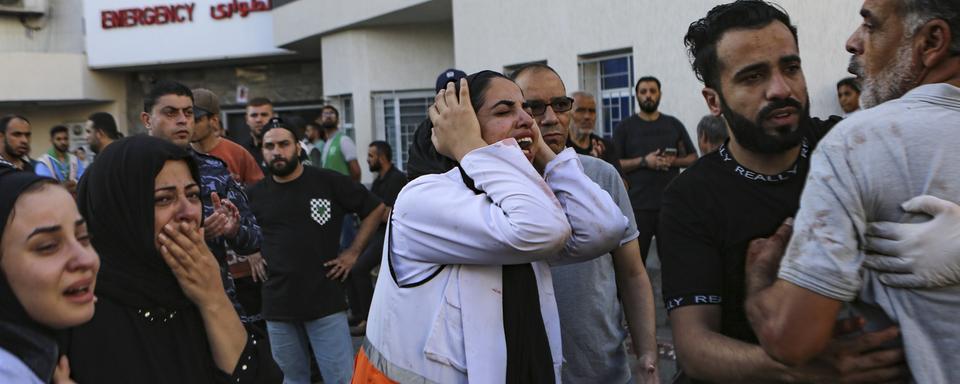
(301,222)
(635,137)
(710,214)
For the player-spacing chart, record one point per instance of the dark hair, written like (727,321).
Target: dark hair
(531,67)
(331,108)
(478,83)
(713,129)
(702,35)
(850,82)
(104,122)
(259,102)
(383,148)
(58,129)
(162,88)
(5,121)
(644,79)
(918,12)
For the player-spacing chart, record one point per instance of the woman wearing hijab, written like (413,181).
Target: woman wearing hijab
(48,270)
(470,296)
(162,314)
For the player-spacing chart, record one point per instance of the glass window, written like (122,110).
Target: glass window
(610,79)
(402,113)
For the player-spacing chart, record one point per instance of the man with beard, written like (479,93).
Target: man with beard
(903,144)
(582,138)
(168,113)
(652,146)
(386,186)
(301,210)
(747,56)
(339,152)
(15,132)
(101,130)
(58,163)
(589,293)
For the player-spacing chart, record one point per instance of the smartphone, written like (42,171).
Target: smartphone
(670,152)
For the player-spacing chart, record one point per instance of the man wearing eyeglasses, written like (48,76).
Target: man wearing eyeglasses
(589,293)
(653,146)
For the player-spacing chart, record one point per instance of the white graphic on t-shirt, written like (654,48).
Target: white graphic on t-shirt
(320,210)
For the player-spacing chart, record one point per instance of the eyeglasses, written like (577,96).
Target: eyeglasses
(539,107)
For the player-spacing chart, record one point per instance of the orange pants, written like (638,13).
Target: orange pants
(365,373)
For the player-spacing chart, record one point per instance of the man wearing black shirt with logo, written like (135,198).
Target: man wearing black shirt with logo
(652,146)
(746,54)
(300,210)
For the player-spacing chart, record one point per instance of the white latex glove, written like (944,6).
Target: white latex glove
(917,255)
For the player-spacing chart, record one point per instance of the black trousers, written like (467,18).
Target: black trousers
(647,220)
(359,283)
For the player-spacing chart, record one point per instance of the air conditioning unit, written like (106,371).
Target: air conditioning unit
(24,7)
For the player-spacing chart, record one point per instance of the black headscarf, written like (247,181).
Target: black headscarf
(33,343)
(116,197)
(528,350)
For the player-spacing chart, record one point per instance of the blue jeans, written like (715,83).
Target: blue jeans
(332,347)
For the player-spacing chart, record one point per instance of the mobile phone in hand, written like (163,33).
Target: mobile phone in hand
(670,152)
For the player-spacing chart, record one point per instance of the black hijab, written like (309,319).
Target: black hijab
(33,343)
(116,197)
(529,359)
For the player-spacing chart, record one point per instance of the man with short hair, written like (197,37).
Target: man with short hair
(301,210)
(258,112)
(904,143)
(652,146)
(101,131)
(588,294)
(206,114)
(747,56)
(169,114)
(582,136)
(848,94)
(339,151)
(386,186)
(711,133)
(313,141)
(15,132)
(58,163)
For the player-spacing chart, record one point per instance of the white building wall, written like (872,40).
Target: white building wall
(361,62)
(491,34)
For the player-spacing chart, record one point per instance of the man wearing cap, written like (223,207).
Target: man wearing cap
(301,210)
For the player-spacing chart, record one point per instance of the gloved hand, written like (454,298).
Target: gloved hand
(917,255)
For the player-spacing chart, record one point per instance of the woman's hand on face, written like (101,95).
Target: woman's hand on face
(192,263)
(543,153)
(456,130)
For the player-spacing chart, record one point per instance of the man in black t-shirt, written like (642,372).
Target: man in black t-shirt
(582,139)
(746,54)
(652,146)
(386,186)
(300,210)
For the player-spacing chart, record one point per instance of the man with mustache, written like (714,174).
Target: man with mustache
(589,293)
(903,144)
(301,209)
(747,56)
(652,146)
(58,163)
(15,132)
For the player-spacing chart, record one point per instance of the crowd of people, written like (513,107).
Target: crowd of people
(514,247)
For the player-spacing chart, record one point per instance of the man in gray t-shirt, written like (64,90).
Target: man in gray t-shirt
(860,173)
(588,302)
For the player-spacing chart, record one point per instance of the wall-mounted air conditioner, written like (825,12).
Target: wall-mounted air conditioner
(23,7)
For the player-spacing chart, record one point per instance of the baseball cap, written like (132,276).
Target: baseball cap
(447,76)
(205,103)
